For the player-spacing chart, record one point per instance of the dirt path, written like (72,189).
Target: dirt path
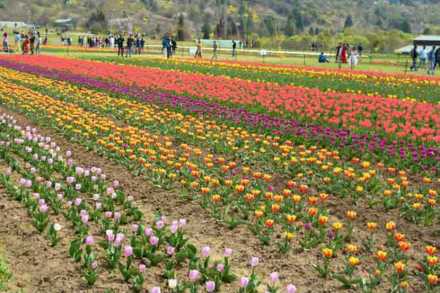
(202,229)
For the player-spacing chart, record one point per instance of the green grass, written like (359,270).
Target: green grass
(5,274)
(297,60)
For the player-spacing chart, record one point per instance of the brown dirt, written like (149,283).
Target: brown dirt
(61,273)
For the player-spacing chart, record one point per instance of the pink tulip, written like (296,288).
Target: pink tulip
(154,240)
(254,261)
(227,252)
(210,286)
(205,251)
(194,275)
(244,282)
(128,251)
(89,240)
(291,288)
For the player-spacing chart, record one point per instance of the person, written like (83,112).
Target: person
(338,53)
(414,55)
(37,43)
(120,43)
(234,48)
(437,59)
(214,51)
(138,45)
(423,56)
(130,42)
(17,38)
(431,61)
(360,49)
(32,42)
(142,44)
(344,52)
(25,45)
(173,45)
(5,42)
(323,58)
(353,58)
(198,50)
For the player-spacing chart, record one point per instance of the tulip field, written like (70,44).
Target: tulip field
(148,175)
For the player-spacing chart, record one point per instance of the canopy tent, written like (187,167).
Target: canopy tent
(427,41)
(420,41)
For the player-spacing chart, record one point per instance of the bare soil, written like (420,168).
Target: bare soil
(40,268)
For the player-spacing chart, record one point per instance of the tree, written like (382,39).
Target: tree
(269,24)
(348,22)
(405,26)
(181,28)
(97,22)
(206,29)
(289,29)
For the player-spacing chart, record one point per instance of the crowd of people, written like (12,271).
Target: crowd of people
(425,58)
(25,43)
(345,54)
(127,44)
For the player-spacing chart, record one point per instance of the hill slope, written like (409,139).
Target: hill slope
(263,17)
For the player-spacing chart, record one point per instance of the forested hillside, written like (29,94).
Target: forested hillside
(229,18)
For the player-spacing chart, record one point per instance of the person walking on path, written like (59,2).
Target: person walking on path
(234,48)
(214,51)
(198,50)
(414,55)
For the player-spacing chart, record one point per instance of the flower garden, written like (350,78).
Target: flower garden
(192,176)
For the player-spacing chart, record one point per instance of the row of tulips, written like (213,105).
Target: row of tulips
(391,86)
(309,219)
(325,171)
(401,155)
(242,148)
(99,213)
(339,242)
(371,114)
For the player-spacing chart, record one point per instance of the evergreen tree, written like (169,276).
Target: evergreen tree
(405,26)
(348,22)
(181,28)
(206,29)
(289,29)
